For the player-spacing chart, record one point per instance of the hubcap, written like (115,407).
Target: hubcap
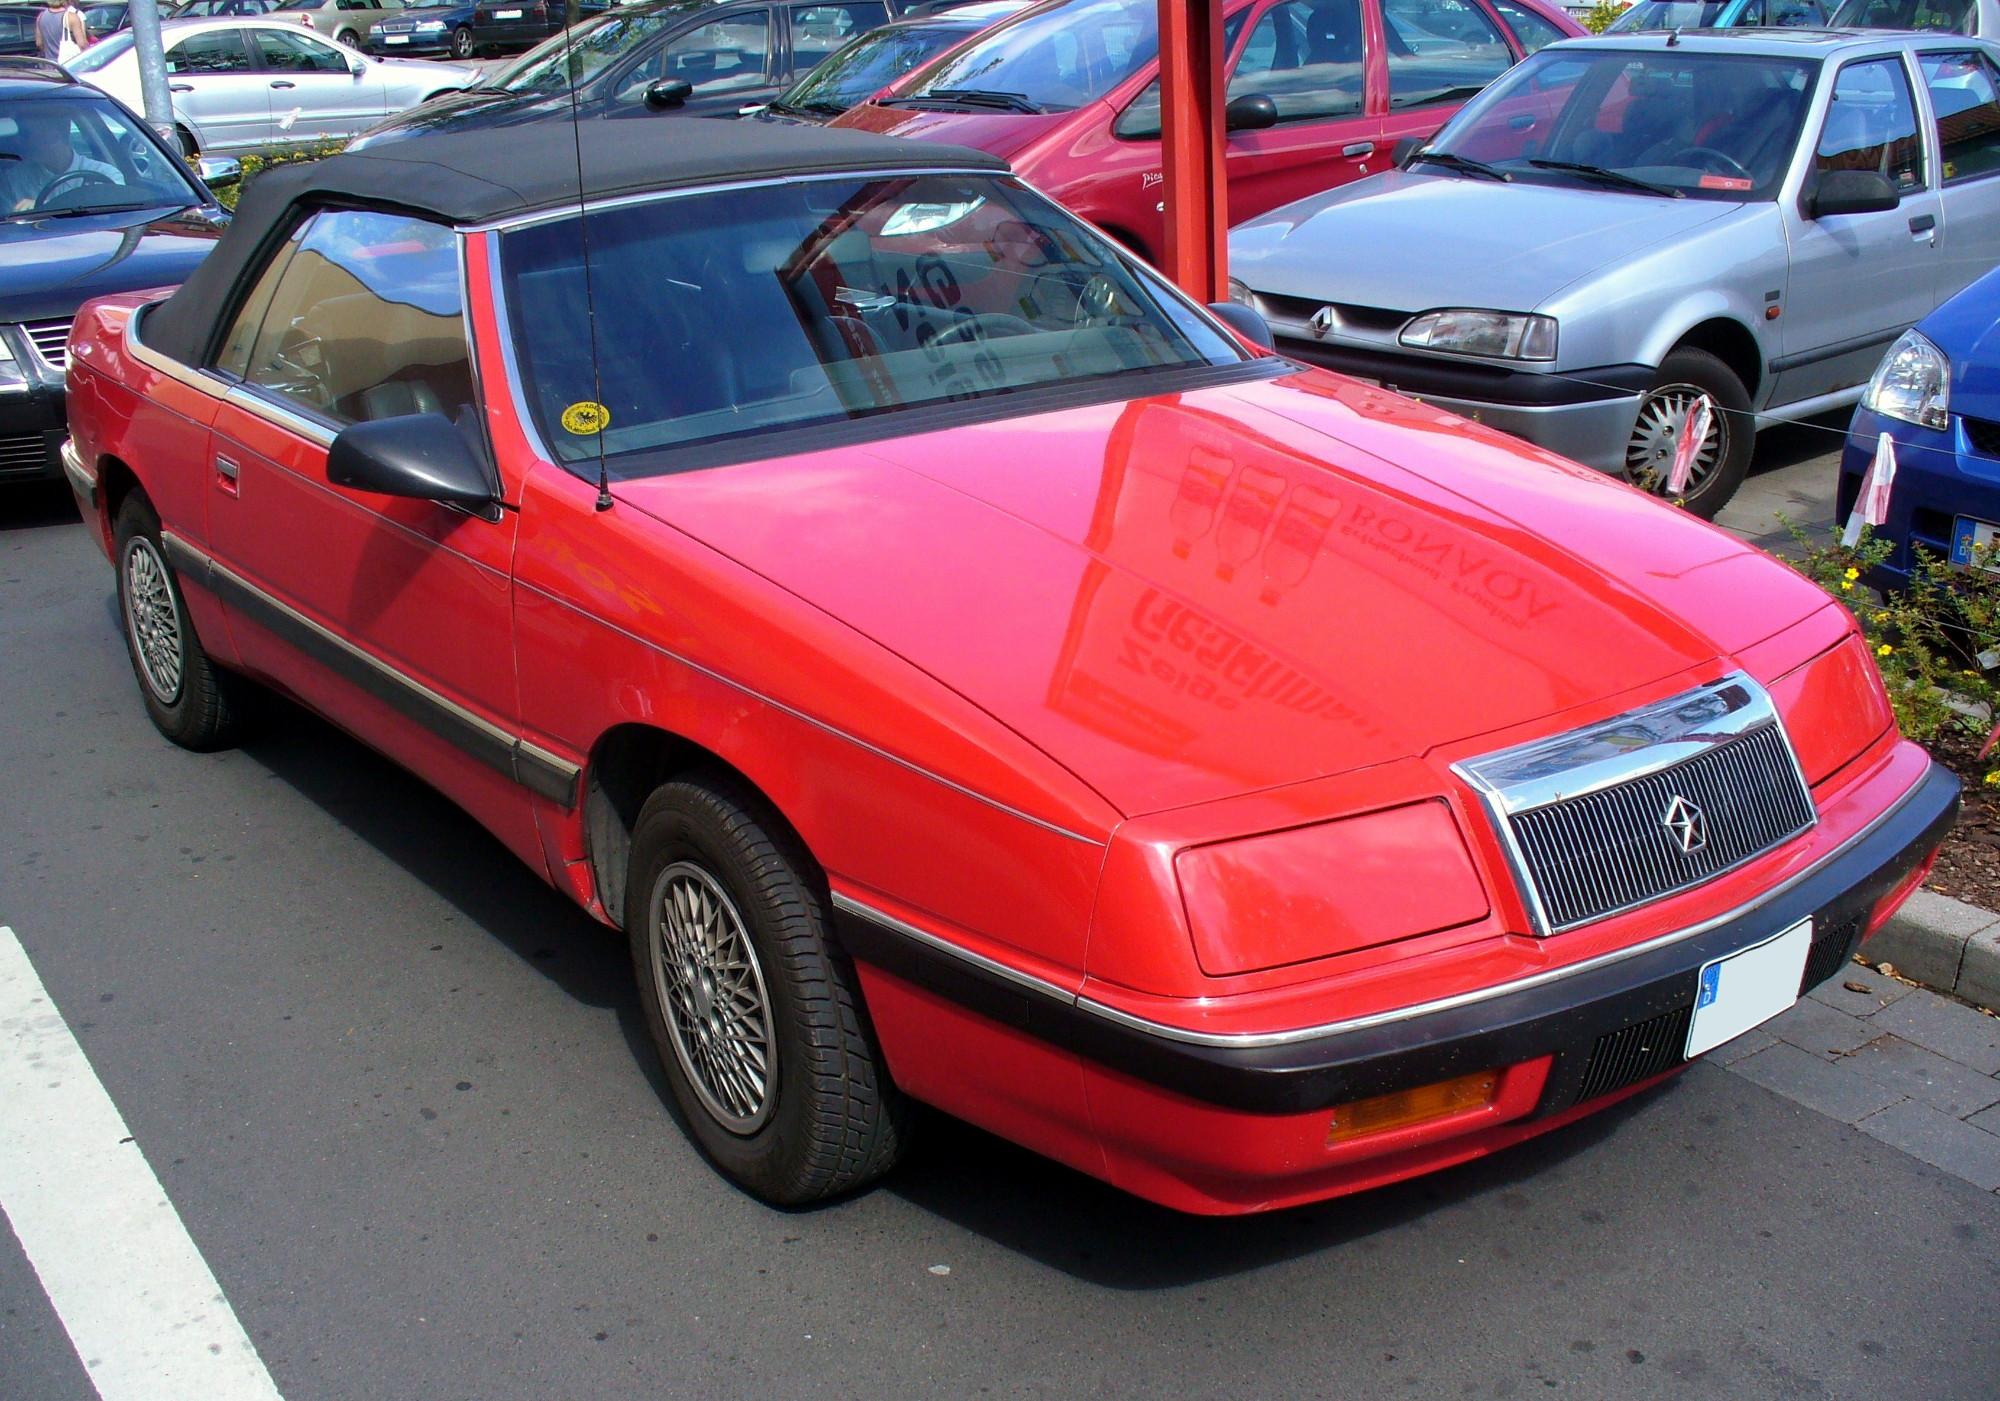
(1663,421)
(711,989)
(154,620)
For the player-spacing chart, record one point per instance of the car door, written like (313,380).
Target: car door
(733,59)
(1858,280)
(315,93)
(1962,87)
(392,616)
(1436,56)
(217,91)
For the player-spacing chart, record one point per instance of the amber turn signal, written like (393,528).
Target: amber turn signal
(1417,1106)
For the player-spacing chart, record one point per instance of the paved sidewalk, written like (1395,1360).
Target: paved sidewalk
(1904,1065)
(1793,476)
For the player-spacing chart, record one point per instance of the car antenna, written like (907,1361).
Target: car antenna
(598,415)
(1673,38)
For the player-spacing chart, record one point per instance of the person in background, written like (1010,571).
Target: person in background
(49,27)
(75,35)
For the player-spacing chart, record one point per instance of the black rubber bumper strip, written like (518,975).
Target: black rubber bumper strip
(1482,384)
(1563,1016)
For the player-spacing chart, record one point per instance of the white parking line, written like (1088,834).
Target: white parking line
(140,1304)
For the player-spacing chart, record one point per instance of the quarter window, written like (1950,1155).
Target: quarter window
(359,317)
(212,51)
(1440,51)
(1965,96)
(1871,124)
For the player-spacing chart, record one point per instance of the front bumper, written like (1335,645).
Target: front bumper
(33,424)
(417,44)
(1585,415)
(1939,477)
(513,34)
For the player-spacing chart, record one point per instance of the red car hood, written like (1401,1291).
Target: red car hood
(1003,134)
(1191,596)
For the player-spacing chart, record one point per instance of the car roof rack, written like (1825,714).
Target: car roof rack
(24,66)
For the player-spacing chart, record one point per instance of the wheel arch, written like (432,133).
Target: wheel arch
(115,482)
(1731,342)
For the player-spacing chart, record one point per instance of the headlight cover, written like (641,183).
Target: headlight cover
(1329,888)
(430,26)
(12,379)
(1498,335)
(1239,291)
(1913,383)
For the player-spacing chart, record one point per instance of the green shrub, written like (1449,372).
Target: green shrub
(1602,13)
(257,162)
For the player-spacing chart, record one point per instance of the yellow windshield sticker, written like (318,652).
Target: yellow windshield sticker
(585,418)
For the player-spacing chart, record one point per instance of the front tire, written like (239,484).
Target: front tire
(347,38)
(756,1014)
(462,47)
(1724,457)
(186,695)
(189,150)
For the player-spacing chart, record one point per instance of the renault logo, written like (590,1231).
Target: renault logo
(1685,825)
(1322,322)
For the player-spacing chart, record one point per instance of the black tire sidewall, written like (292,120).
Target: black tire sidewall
(1687,365)
(678,824)
(462,46)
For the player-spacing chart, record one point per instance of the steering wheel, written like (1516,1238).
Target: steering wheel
(983,325)
(1709,159)
(68,183)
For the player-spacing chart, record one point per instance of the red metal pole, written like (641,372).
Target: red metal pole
(1191,135)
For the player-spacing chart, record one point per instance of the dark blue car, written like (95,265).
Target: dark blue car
(1937,393)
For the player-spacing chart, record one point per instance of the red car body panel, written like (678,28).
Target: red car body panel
(1001,677)
(1078,159)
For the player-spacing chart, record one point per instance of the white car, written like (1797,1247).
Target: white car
(238,83)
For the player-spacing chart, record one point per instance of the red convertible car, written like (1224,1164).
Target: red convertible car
(1319,93)
(971,673)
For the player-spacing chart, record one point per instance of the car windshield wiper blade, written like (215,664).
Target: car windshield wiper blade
(86,210)
(972,97)
(1608,176)
(1464,163)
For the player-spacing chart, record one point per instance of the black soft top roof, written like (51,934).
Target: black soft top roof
(474,177)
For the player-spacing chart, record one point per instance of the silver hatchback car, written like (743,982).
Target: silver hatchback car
(1621,225)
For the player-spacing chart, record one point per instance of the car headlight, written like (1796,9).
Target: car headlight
(1912,383)
(1501,335)
(430,26)
(1239,291)
(11,377)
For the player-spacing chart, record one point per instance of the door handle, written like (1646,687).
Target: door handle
(1923,223)
(1358,148)
(283,83)
(180,87)
(226,473)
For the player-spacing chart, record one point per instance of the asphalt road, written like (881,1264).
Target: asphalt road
(402,1098)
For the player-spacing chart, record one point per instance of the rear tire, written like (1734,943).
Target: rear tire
(189,150)
(756,1014)
(462,47)
(1684,375)
(186,695)
(347,38)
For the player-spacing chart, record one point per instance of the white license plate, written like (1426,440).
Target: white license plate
(395,38)
(1748,988)
(1969,536)
(506,14)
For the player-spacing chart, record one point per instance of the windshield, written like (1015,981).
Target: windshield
(1659,121)
(842,299)
(73,157)
(590,46)
(1956,16)
(869,64)
(1055,60)
(1667,14)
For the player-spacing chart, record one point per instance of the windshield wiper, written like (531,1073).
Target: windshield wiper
(1609,177)
(1465,163)
(972,97)
(85,211)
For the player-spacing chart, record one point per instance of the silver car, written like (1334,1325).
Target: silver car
(238,83)
(1620,226)
(343,21)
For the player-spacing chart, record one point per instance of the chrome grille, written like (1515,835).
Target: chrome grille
(1644,805)
(51,340)
(1612,849)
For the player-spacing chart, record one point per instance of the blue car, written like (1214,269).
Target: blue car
(1937,393)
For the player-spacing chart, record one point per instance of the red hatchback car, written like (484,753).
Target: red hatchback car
(1319,93)
(971,674)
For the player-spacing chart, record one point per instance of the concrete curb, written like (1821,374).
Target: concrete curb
(1944,944)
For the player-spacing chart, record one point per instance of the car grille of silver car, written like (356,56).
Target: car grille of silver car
(51,339)
(1640,807)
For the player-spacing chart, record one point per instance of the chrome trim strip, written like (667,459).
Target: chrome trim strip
(570,208)
(153,360)
(528,764)
(257,405)
(1252,1040)
(1027,981)
(82,480)
(814,720)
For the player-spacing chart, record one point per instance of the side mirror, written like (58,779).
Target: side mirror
(1852,192)
(1400,153)
(420,455)
(1251,112)
(1246,321)
(663,94)
(219,172)
(356,65)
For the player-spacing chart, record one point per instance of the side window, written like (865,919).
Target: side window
(1530,29)
(211,51)
(359,319)
(1965,95)
(817,30)
(1751,16)
(294,53)
(1797,14)
(1307,56)
(1141,120)
(1871,124)
(731,53)
(1440,51)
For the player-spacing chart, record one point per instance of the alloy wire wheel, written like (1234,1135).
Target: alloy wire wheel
(461,42)
(1663,421)
(349,39)
(153,618)
(712,989)
(1723,457)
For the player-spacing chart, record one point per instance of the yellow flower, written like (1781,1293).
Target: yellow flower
(1993,779)
(1881,618)
(1846,585)
(1884,650)
(1851,575)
